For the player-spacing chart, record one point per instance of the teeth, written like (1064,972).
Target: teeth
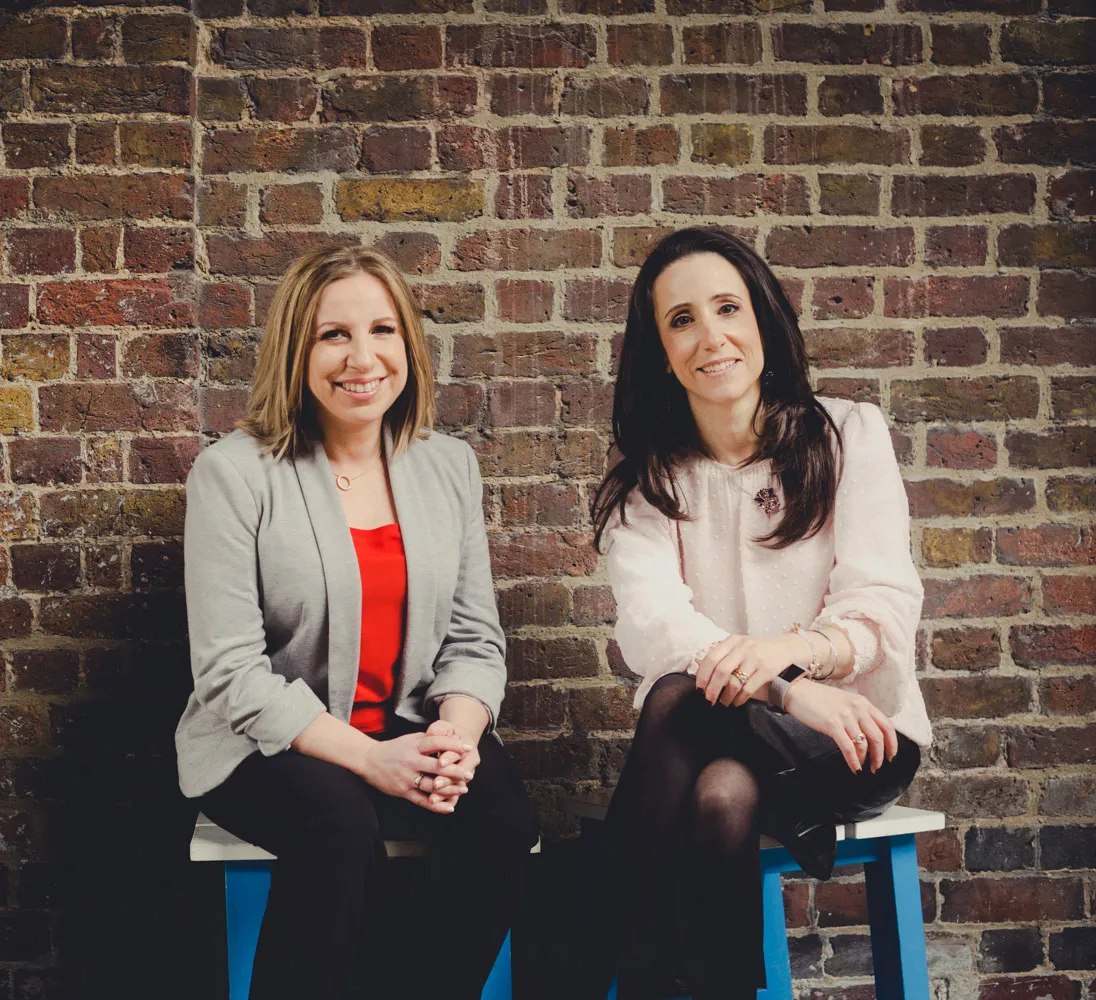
(359,386)
(721,366)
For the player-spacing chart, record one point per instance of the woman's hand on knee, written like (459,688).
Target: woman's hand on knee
(401,766)
(738,668)
(862,732)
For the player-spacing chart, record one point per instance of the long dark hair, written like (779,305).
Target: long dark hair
(653,426)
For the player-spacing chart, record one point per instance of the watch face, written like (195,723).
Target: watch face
(789,674)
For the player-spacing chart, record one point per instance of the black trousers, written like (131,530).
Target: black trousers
(699,787)
(327,933)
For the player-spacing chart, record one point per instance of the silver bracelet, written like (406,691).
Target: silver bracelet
(833,647)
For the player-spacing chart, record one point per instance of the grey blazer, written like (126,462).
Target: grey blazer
(273,595)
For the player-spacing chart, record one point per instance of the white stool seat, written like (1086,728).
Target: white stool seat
(895,821)
(212,843)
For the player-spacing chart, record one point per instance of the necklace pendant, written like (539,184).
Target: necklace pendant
(342,482)
(767,500)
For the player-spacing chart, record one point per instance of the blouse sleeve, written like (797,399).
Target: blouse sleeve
(658,629)
(875,593)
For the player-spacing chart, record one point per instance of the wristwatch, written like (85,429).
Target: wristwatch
(778,686)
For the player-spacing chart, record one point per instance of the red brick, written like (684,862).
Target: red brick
(265,255)
(604,97)
(285,48)
(534,707)
(1045,142)
(984,498)
(93,38)
(1073,398)
(849,194)
(856,246)
(156,38)
(586,404)
(222,203)
(526,46)
(406,46)
(95,355)
(843,347)
(33,38)
(843,298)
(221,99)
(14,306)
(283,99)
(1048,245)
(1037,645)
(977,597)
(970,95)
(219,409)
(1069,95)
(161,460)
(1063,447)
(36,145)
(607,8)
(744,195)
(395,150)
(1072,194)
(1069,595)
(995,900)
(1046,545)
(161,355)
(224,304)
(524,196)
(1030,988)
(523,93)
(527,249)
(44,566)
(858,390)
(960,44)
(597,300)
(111,89)
(44,461)
(128,302)
(1035,746)
(542,554)
(836,144)
(99,248)
(735,42)
(847,44)
(946,449)
(639,44)
(966,649)
(46,671)
(1071,493)
(618,194)
(984,398)
(1057,43)
(936,194)
(946,296)
(133,196)
(1071,296)
(850,95)
(522,354)
(521,404)
(1067,695)
(1072,345)
(524,301)
(451,303)
(291,205)
(41,251)
(14,196)
(975,697)
(952,145)
(12,98)
(955,346)
(734,93)
(157,250)
(304,149)
(116,407)
(955,246)
(540,505)
(974,6)
(550,659)
(157,564)
(399,98)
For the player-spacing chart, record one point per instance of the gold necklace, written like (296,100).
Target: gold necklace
(343,482)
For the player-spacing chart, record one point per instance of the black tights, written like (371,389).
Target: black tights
(689,811)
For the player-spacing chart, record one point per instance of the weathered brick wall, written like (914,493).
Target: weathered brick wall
(918,171)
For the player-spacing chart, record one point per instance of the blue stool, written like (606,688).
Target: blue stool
(885,846)
(247,882)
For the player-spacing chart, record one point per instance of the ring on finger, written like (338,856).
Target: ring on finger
(860,739)
(739,675)
(418,780)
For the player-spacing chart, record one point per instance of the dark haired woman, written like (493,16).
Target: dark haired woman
(758,546)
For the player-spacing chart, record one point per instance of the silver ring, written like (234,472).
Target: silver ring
(860,739)
(418,780)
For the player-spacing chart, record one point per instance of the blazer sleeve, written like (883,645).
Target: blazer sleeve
(472,658)
(232,673)
(874,593)
(657,628)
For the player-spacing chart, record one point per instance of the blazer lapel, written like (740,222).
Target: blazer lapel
(417,534)
(341,577)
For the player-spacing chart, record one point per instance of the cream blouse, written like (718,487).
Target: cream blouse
(682,585)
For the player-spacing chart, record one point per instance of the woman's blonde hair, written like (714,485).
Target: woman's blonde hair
(280,412)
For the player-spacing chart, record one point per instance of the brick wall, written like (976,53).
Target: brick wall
(920,174)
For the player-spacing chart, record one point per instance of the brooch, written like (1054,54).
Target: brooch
(767,500)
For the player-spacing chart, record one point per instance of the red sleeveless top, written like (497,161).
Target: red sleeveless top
(383,571)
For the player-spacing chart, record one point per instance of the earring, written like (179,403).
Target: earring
(767,377)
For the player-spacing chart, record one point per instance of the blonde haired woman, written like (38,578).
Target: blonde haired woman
(346,650)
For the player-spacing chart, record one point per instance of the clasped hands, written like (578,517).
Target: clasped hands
(737,668)
(430,769)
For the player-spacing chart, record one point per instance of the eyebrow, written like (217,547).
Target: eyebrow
(337,322)
(718,295)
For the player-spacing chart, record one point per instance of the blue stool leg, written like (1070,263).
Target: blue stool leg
(246,886)
(897,927)
(612,991)
(778,971)
(499,985)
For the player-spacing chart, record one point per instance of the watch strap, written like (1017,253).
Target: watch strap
(778,686)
